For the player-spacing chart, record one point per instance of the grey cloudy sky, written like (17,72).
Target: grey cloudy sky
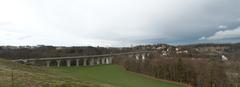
(118,22)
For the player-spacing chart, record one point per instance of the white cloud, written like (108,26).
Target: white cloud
(222,26)
(6,36)
(106,20)
(202,38)
(4,23)
(238,19)
(226,34)
(118,19)
(15,38)
(110,22)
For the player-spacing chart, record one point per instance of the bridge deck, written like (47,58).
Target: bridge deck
(79,57)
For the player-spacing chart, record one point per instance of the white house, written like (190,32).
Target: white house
(224,58)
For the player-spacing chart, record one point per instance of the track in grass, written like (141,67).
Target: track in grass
(113,75)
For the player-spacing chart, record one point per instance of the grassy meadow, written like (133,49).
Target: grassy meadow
(18,75)
(113,75)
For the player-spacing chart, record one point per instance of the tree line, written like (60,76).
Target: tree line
(197,72)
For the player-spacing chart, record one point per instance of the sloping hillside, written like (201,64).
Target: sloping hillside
(17,75)
(114,75)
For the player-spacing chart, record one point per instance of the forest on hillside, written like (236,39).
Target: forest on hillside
(197,72)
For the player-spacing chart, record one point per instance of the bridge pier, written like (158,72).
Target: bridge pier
(110,60)
(84,62)
(48,63)
(77,62)
(143,57)
(107,60)
(137,56)
(98,61)
(58,63)
(91,61)
(103,60)
(68,63)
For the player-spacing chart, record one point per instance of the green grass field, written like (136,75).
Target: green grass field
(113,75)
(18,75)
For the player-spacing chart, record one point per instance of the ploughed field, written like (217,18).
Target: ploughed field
(113,75)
